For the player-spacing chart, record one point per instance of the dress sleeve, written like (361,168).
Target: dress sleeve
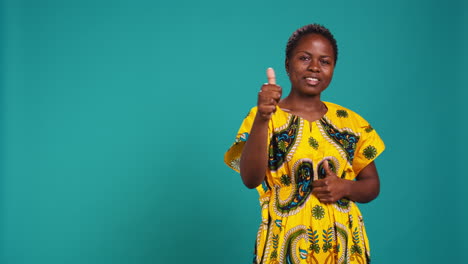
(369,147)
(232,156)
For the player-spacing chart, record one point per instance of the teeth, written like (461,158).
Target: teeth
(312,79)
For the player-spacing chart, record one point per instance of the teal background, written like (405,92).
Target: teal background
(115,116)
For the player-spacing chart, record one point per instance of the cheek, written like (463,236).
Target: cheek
(330,73)
(297,69)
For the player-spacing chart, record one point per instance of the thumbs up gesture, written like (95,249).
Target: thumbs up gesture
(331,188)
(269,96)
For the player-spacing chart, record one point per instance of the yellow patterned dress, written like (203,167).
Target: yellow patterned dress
(296,227)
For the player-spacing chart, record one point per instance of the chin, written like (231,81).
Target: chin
(313,91)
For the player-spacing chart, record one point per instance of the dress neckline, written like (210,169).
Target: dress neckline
(287,111)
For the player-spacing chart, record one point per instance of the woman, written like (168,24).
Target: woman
(309,160)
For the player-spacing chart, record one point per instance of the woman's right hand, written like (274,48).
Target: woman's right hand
(268,97)
(254,158)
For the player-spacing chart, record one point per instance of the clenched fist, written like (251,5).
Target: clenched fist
(269,96)
(331,188)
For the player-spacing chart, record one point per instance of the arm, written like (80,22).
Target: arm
(364,189)
(254,157)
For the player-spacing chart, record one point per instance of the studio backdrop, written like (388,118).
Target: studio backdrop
(115,116)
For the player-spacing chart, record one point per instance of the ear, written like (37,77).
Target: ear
(286,65)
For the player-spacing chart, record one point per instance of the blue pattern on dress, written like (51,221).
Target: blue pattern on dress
(281,143)
(345,139)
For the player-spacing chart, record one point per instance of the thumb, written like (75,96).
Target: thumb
(328,171)
(271,76)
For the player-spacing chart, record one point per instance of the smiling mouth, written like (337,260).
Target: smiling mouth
(312,80)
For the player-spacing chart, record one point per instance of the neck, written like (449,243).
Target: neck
(303,104)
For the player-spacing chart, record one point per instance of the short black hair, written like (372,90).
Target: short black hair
(310,29)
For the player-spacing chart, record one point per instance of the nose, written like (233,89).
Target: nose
(314,66)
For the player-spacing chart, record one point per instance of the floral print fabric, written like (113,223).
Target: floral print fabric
(296,227)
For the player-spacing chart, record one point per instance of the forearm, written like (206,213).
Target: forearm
(254,158)
(362,190)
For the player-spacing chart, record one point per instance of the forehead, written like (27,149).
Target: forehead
(314,43)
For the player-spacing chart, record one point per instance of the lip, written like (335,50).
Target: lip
(312,80)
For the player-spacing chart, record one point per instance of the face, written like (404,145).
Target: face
(311,65)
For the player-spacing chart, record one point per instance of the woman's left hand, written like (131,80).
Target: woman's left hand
(331,188)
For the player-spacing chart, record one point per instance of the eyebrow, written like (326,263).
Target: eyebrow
(321,56)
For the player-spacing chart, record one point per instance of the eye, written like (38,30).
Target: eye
(325,62)
(304,58)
